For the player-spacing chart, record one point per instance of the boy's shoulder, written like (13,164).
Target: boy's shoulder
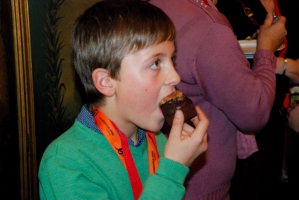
(77,137)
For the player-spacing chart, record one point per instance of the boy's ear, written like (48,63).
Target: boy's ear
(103,82)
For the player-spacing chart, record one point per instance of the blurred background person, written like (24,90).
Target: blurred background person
(264,175)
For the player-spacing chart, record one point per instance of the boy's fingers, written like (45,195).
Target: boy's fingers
(203,123)
(200,115)
(177,124)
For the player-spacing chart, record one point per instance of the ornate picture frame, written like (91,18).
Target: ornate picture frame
(25,99)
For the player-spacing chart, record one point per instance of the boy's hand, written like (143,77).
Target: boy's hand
(185,143)
(271,34)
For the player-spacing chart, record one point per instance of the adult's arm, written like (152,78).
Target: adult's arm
(291,71)
(222,71)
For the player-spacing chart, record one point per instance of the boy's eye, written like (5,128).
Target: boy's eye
(173,59)
(155,65)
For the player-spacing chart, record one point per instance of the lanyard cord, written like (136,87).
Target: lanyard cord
(120,145)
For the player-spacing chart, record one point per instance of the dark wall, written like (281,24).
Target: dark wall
(57,92)
(9,147)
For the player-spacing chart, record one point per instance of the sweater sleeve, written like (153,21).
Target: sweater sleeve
(223,74)
(167,183)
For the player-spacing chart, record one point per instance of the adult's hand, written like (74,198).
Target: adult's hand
(271,34)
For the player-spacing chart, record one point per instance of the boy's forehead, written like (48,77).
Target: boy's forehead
(155,48)
(162,49)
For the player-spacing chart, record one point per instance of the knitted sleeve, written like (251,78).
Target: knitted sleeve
(223,74)
(168,182)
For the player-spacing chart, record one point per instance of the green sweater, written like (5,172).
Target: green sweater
(80,164)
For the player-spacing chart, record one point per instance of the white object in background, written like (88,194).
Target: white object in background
(249,47)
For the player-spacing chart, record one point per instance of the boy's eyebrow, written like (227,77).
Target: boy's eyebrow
(159,54)
(152,56)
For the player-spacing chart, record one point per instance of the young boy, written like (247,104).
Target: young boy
(123,52)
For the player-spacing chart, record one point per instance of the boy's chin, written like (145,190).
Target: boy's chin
(157,127)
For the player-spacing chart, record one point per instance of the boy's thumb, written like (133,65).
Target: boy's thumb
(178,122)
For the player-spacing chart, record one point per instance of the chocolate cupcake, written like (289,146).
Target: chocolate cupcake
(177,101)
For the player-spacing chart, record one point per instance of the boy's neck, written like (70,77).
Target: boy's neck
(130,132)
(135,138)
(129,129)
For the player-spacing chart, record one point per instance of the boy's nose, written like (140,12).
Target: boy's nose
(173,77)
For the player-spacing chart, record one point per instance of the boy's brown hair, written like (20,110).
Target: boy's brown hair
(110,30)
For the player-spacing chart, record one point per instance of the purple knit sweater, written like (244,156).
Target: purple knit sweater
(217,77)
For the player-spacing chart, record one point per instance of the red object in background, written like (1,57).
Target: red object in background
(206,2)
(286,101)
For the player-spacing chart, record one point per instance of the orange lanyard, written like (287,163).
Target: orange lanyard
(120,145)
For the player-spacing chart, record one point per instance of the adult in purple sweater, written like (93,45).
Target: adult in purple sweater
(216,75)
